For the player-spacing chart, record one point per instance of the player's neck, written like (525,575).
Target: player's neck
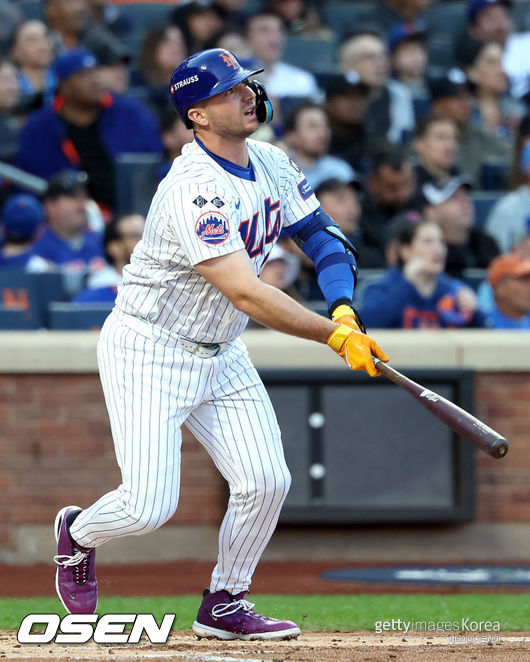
(229,149)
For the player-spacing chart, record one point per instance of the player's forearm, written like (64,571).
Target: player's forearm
(275,309)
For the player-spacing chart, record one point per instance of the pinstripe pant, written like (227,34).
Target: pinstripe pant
(151,389)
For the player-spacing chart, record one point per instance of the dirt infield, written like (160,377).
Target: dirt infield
(310,647)
(190,577)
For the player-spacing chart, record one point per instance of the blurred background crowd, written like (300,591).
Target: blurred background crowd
(409,118)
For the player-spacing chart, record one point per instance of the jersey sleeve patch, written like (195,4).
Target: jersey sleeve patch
(305,190)
(212,228)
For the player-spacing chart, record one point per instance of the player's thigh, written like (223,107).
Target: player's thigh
(239,428)
(144,408)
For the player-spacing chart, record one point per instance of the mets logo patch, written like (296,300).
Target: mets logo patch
(212,228)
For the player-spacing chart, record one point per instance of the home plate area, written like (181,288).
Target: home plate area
(309,647)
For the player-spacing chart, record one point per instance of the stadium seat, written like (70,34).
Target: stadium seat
(135,182)
(310,54)
(483,202)
(144,16)
(73,317)
(32,9)
(19,292)
(12,319)
(343,17)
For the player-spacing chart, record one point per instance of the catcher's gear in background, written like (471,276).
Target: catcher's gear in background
(210,72)
(356,348)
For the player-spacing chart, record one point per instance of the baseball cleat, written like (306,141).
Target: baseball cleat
(225,616)
(75,579)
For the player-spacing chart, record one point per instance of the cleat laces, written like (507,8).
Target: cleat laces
(227,608)
(79,564)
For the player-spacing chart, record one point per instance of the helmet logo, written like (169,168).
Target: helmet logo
(229,60)
(181,83)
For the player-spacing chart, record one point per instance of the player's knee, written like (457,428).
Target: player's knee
(273,484)
(150,518)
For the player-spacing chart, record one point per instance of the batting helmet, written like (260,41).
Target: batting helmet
(207,73)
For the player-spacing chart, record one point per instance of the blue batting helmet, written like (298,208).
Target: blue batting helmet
(205,74)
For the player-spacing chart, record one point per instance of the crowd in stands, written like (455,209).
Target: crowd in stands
(409,118)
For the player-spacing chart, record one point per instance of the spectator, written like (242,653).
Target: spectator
(409,60)
(417,294)
(71,27)
(299,18)
(436,146)
(493,107)
(233,39)
(509,276)
(391,191)
(161,48)
(340,200)
(198,21)
(308,135)
(120,237)
(22,216)
(391,113)
(266,36)
(86,128)
(66,244)
(346,106)
(281,270)
(10,120)
(387,13)
(481,154)
(508,221)
(174,136)
(32,53)
(450,207)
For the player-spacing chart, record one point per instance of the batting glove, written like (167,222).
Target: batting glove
(356,348)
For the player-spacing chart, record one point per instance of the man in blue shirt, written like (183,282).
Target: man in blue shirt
(66,242)
(86,128)
(509,276)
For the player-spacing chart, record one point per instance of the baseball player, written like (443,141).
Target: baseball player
(170,353)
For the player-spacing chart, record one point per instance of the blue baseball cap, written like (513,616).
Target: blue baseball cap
(476,6)
(73,62)
(405,32)
(21,216)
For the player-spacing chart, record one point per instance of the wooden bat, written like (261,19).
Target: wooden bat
(461,421)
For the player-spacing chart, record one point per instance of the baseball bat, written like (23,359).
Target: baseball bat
(458,419)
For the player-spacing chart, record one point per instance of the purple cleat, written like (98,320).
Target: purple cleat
(225,616)
(75,579)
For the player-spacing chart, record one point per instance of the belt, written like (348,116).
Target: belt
(200,349)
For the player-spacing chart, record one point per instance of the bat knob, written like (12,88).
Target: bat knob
(501,449)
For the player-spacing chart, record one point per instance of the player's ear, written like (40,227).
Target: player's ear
(198,115)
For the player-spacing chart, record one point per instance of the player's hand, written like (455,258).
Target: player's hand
(356,348)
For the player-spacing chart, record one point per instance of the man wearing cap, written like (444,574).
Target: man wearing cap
(407,45)
(346,105)
(308,135)
(87,128)
(22,216)
(66,243)
(450,207)
(478,148)
(509,276)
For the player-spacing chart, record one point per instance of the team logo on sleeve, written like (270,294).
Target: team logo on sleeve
(212,228)
(217,202)
(305,190)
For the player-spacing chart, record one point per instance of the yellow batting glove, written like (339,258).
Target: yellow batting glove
(344,314)
(357,349)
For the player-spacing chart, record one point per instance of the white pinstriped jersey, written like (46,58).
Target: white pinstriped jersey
(203,209)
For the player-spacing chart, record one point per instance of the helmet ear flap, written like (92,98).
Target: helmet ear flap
(264,112)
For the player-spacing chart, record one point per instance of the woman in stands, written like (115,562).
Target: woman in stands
(417,294)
